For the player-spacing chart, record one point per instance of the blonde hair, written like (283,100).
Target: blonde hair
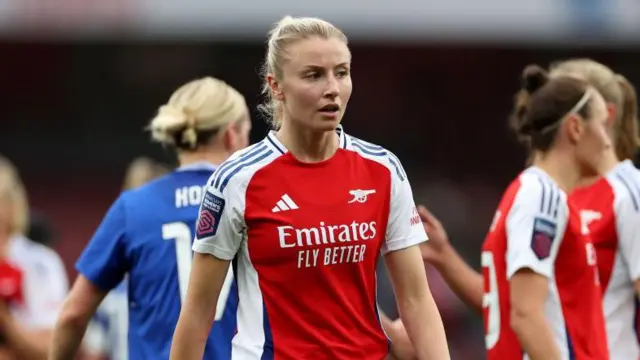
(201,106)
(13,189)
(615,89)
(285,32)
(142,170)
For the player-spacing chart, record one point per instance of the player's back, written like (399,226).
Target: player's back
(163,216)
(159,220)
(609,211)
(534,228)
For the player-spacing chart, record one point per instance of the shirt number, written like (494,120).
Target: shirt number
(586,218)
(491,302)
(181,234)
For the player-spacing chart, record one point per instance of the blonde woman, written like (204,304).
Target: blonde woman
(305,215)
(147,232)
(27,321)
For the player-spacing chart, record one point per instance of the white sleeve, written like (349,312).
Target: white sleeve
(404,228)
(628,226)
(535,227)
(220,227)
(96,341)
(47,286)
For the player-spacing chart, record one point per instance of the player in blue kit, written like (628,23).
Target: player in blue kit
(147,232)
(107,332)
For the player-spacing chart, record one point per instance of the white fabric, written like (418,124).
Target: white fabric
(539,204)
(626,184)
(109,337)
(619,297)
(45,283)
(229,235)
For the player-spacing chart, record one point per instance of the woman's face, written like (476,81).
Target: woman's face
(316,83)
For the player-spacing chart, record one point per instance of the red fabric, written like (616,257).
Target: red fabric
(10,283)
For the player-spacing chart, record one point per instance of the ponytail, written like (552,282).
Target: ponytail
(627,139)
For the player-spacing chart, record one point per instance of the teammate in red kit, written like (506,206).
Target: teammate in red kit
(607,210)
(542,295)
(610,209)
(305,215)
(33,282)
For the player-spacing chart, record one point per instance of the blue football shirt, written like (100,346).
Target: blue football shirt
(147,234)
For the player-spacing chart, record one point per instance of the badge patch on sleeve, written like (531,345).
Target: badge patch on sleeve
(544,231)
(210,214)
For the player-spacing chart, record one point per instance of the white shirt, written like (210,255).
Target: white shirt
(45,283)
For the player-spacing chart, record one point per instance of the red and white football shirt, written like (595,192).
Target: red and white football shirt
(44,283)
(305,239)
(535,228)
(610,211)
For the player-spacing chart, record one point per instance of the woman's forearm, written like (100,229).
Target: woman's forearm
(535,336)
(190,337)
(424,326)
(463,280)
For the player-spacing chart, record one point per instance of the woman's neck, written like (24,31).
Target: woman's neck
(609,162)
(213,157)
(308,145)
(4,244)
(561,168)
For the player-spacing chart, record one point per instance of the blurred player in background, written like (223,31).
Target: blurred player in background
(542,295)
(106,336)
(147,233)
(34,281)
(541,290)
(142,170)
(305,215)
(608,210)
(41,229)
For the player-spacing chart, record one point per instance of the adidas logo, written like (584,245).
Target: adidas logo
(285,203)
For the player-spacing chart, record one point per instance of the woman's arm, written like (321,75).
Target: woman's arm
(466,282)
(198,311)
(401,348)
(528,296)
(534,234)
(102,266)
(416,305)
(81,304)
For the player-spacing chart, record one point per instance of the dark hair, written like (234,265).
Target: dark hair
(41,230)
(542,103)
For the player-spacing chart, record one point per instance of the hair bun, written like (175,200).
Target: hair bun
(524,130)
(533,78)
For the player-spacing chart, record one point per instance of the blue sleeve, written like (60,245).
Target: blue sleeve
(104,261)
